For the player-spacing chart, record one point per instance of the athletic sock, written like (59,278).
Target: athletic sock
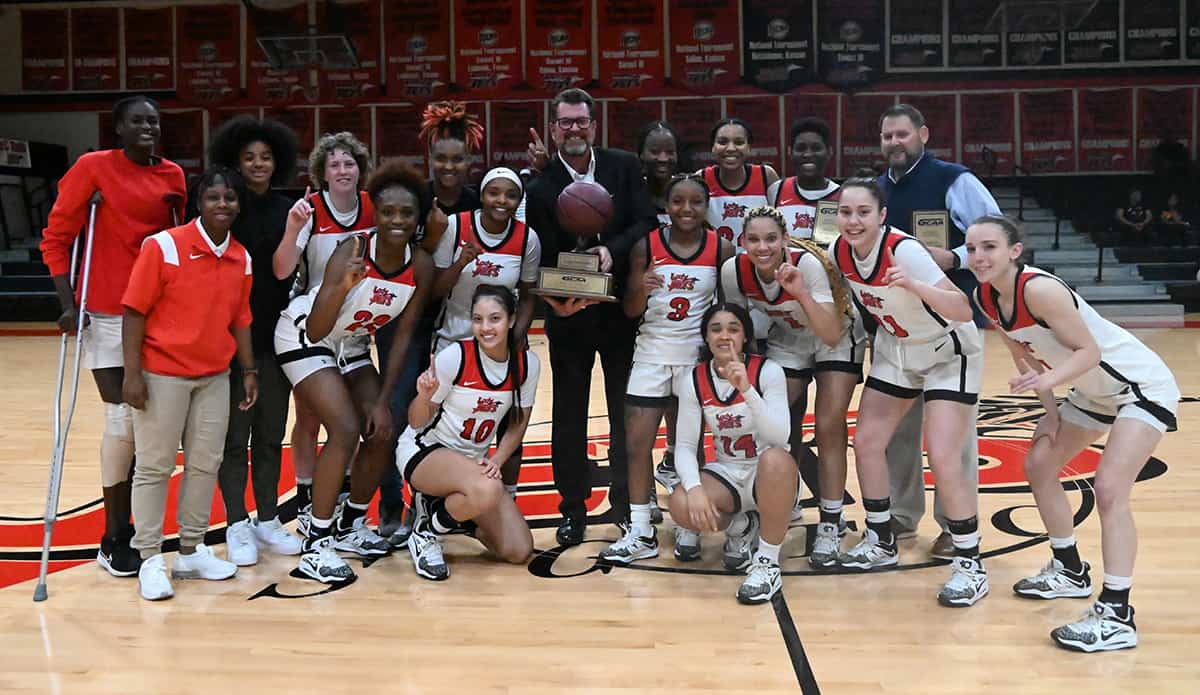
(440,518)
(767,552)
(639,520)
(831,511)
(319,528)
(351,512)
(965,534)
(879,519)
(1067,552)
(1116,592)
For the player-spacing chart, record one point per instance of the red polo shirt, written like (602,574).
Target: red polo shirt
(192,298)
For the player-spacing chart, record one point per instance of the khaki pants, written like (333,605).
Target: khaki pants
(196,412)
(906,467)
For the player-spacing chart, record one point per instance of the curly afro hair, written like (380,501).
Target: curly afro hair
(236,133)
(394,172)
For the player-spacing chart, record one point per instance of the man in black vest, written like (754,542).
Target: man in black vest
(579,329)
(930,199)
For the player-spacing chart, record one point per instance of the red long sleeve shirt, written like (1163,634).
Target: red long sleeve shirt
(133,209)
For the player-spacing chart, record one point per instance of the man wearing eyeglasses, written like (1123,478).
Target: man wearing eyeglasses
(579,329)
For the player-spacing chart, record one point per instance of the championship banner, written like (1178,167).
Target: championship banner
(850,42)
(558,41)
(974,40)
(822,106)
(1151,31)
(631,47)
(1030,48)
(148,50)
(264,84)
(693,119)
(94,49)
(704,44)
(626,119)
(915,35)
(207,47)
(417,47)
(396,130)
(487,46)
(355,120)
(183,139)
(777,43)
(508,132)
(1106,129)
(1047,131)
(44,50)
(1163,113)
(300,120)
(941,116)
(1097,36)
(763,116)
(860,133)
(359,21)
(987,133)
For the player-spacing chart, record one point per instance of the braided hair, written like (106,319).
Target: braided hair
(841,295)
(449,119)
(516,374)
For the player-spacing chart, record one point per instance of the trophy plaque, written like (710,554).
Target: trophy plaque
(932,228)
(825,227)
(577,275)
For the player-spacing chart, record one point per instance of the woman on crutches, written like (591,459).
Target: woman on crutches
(140,194)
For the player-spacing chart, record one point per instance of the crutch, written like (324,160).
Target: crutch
(61,428)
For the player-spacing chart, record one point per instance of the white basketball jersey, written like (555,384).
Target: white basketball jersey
(325,232)
(473,409)
(669,333)
(727,209)
(1125,362)
(499,264)
(799,208)
(729,419)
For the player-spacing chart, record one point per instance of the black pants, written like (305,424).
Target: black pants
(263,426)
(574,343)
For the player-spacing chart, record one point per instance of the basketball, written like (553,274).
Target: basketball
(584,208)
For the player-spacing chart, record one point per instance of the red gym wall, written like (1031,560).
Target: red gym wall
(1092,95)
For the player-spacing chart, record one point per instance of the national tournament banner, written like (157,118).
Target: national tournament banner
(508,132)
(207,39)
(302,121)
(860,133)
(630,36)
(777,43)
(94,49)
(359,21)
(704,44)
(762,114)
(1047,131)
(987,133)
(626,119)
(1164,112)
(487,46)
(822,106)
(558,41)
(148,50)
(693,119)
(183,139)
(396,135)
(417,48)
(265,84)
(44,50)
(941,116)
(1106,129)
(915,35)
(849,42)
(1096,38)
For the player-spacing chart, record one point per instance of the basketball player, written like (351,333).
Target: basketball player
(462,399)
(735,185)
(673,279)
(141,192)
(813,334)
(742,398)
(323,344)
(797,197)
(658,148)
(1120,386)
(925,344)
(316,224)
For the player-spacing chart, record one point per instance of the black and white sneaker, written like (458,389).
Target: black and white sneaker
(968,584)
(656,512)
(1101,629)
(426,551)
(739,549)
(827,545)
(870,554)
(1056,581)
(320,562)
(631,547)
(116,557)
(665,473)
(361,540)
(763,581)
(687,545)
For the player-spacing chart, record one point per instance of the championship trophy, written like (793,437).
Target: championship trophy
(582,209)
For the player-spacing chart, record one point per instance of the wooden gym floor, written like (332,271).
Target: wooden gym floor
(564,624)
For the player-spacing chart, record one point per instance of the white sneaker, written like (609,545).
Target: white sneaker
(763,581)
(361,540)
(320,562)
(273,536)
(202,564)
(152,579)
(239,544)
(826,546)
(739,550)
(1099,630)
(304,520)
(631,547)
(1055,581)
(425,548)
(869,554)
(687,545)
(967,584)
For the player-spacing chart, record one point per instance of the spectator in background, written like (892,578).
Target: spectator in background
(1172,225)
(1133,219)
(264,153)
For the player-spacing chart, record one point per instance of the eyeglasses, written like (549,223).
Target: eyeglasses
(569,123)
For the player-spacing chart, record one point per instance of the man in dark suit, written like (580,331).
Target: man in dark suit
(579,329)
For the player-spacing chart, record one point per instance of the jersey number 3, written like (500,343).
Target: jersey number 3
(681,306)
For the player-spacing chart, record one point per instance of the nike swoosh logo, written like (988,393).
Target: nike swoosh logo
(939,347)
(326,228)
(194,256)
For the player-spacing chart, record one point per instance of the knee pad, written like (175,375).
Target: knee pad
(116,445)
